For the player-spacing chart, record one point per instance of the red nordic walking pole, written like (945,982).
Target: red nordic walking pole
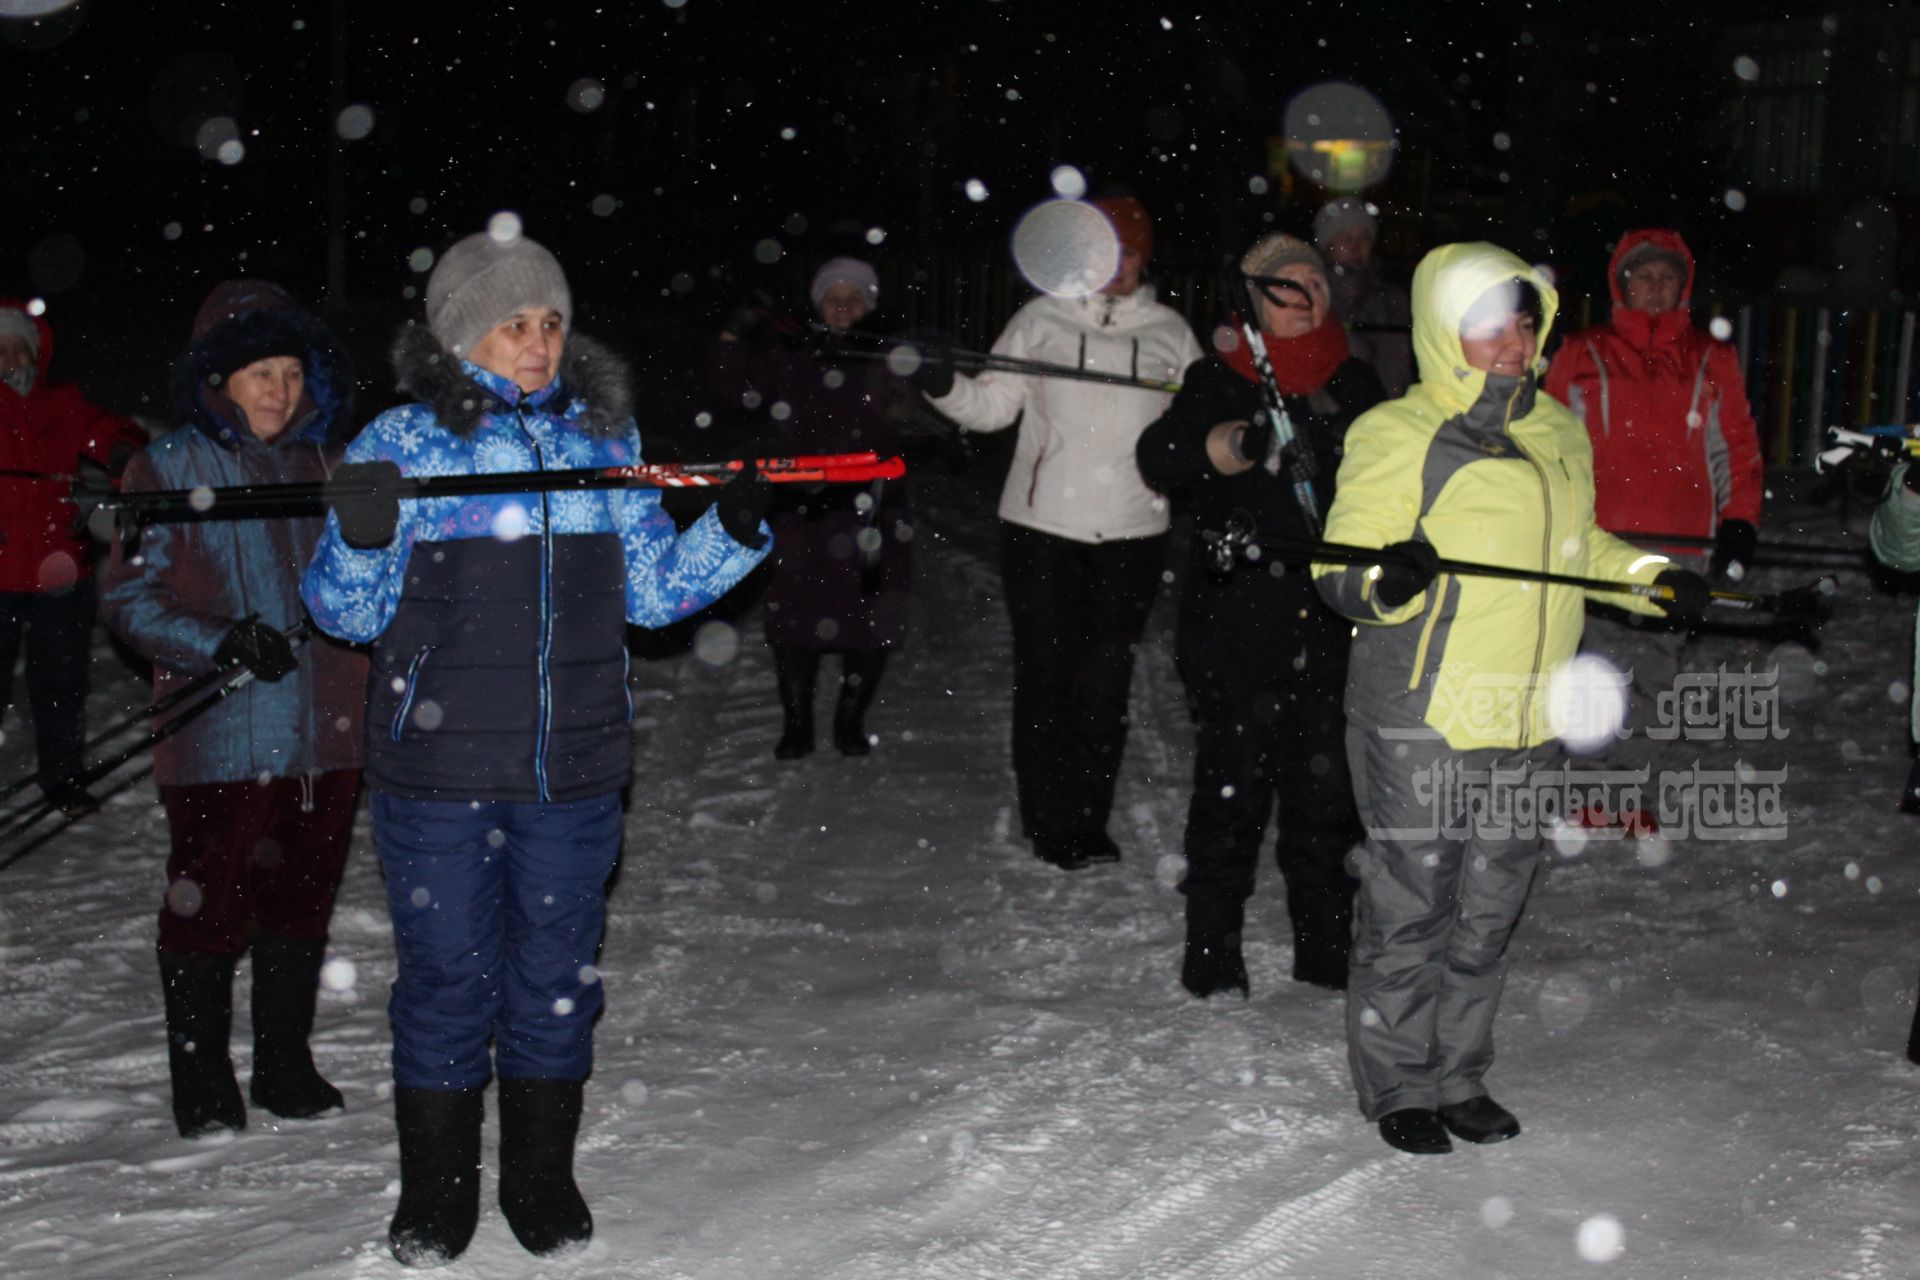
(260,501)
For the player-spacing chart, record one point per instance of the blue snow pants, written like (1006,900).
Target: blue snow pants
(497,915)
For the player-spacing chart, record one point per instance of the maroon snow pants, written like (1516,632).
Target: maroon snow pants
(254,859)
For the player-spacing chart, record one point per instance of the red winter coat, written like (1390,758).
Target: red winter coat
(1675,449)
(49,430)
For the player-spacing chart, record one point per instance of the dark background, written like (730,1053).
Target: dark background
(1549,128)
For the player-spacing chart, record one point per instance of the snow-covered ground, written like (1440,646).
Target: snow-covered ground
(855,1031)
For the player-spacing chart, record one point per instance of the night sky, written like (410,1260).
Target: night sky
(666,150)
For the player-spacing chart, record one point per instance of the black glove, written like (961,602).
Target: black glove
(748,314)
(366,498)
(933,376)
(1405,571)
(1690,595)
(259,648)
(743,503)
(1257,440)
(1733,549)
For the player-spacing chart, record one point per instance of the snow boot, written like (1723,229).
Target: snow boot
(859,681)
(439,1174)
(1322,935)
(1415,1130)
(1479,1120)
(539,1120)
(796,670)
(198,990)
(1212,962)
(286,983)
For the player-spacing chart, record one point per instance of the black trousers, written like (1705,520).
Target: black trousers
(57,632)
(1078,610)
(1280,743)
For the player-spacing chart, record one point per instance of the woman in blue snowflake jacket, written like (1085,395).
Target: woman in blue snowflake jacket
(497,726)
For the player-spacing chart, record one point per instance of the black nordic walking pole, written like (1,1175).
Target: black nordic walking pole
(1796,602)
(1764,547)
(964,361)
(235,677)
(118,727)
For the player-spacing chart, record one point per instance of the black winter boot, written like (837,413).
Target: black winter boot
(1212,962)
(859,681)
(1913,1038)
(439,1174)
(539,1120)
(199,1000)
(796,670)
(1322,935)
(286,983)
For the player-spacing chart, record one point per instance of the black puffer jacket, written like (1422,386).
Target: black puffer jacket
(1235,627)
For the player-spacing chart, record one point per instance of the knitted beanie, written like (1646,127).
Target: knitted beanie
(15,323)
(1647,251)
(845,271)
(1130,221)
(1348,213)
(482,281)
(1277,249)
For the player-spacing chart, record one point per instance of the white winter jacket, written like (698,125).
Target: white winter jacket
(1073,471)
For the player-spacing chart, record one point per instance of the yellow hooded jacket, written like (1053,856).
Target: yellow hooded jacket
(1487,469)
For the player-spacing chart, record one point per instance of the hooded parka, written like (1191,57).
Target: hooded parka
(1486,470)
(1448,737)
(1675,448)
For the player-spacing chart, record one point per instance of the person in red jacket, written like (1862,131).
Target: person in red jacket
(1675,452)
(47,596)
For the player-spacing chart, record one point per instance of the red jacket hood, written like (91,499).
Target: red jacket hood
(1637,326)
(45,331)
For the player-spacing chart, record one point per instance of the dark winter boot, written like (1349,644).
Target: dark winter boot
(1213,963)
(1479,1120)
(796,670)
(199,1001)
(1415,1130)
(539,1120)
(1322,936)
(286,982)
(860,680)
(1913,1038)
(439,1174)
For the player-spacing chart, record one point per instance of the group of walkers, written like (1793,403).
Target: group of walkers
(470,666)
(1633,459)
(464,656)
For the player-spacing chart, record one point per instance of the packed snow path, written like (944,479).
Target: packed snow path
(855,1031)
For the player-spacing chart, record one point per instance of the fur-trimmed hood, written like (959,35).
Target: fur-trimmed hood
(233,344)
(595,385)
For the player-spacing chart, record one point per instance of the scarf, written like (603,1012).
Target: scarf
(1301,365)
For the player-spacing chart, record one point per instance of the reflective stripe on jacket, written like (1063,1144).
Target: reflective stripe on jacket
(1675,448)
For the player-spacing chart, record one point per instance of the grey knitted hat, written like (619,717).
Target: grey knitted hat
(481,281)
(16,323)
(1646,251)
(1348,213)
(1277,249)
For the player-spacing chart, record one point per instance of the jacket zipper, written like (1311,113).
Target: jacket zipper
(546,617)
(413,687)
(1546,566)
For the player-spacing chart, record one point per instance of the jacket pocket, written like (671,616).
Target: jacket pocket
(414,669)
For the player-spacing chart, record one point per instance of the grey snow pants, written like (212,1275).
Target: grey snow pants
(1440,895)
